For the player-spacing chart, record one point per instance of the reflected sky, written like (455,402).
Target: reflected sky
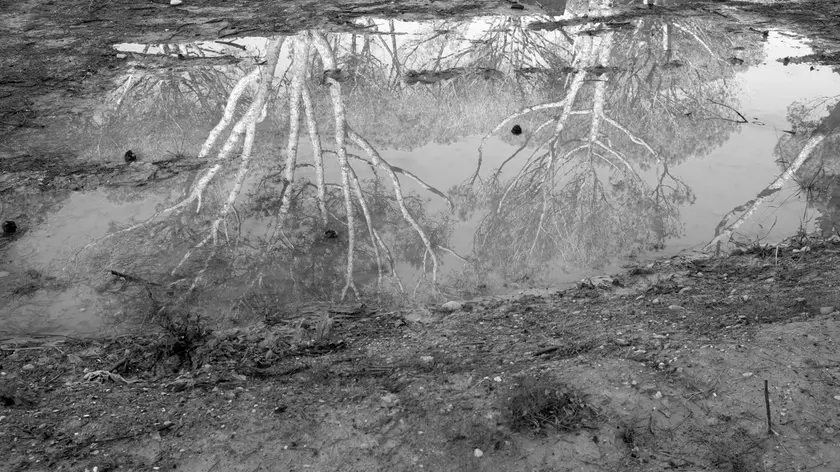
(433,160)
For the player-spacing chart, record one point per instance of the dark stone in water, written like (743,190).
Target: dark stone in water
(9,227)
(516,130)
(130,156)
(330,234)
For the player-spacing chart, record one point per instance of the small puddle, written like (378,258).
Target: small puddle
(428,160)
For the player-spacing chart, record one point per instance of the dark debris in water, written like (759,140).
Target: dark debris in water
(9,227)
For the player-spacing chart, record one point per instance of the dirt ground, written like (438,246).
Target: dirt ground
(663,367)
(668,366)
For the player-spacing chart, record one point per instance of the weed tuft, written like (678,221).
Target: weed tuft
(540,403)
(185,332)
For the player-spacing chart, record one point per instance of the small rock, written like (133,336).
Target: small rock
(516,130)
(478,452)
(121,56)
(428,360)
(657,395)
(175,2)
(4,273)
(390,400)
(497,379)
(451,306)
(29,367)
(655,301)
(747,375)
(837,397)
(674,307)
(685,289)
(826,310)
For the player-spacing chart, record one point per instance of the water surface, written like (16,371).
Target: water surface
(416,161)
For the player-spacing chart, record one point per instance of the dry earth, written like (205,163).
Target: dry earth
(662,367)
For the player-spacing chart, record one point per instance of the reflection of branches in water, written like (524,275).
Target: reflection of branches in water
(505,44)
(153,103)
(725,229)
(579,196)
(371,217)
(455,80)
(357,208)
(245,125)
(807,150)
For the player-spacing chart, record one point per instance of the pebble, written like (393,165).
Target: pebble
(478,452)
(121,56)
(826,310)
(451,306)
(175,2)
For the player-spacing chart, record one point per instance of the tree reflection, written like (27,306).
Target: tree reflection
(639,98)
(312,208)
(172,95)
(818,175)
(377,220)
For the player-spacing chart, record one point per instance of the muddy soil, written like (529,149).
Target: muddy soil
(689,363)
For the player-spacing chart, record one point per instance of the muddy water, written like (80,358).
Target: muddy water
(482,157)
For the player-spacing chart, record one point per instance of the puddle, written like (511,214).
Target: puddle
(477,157)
